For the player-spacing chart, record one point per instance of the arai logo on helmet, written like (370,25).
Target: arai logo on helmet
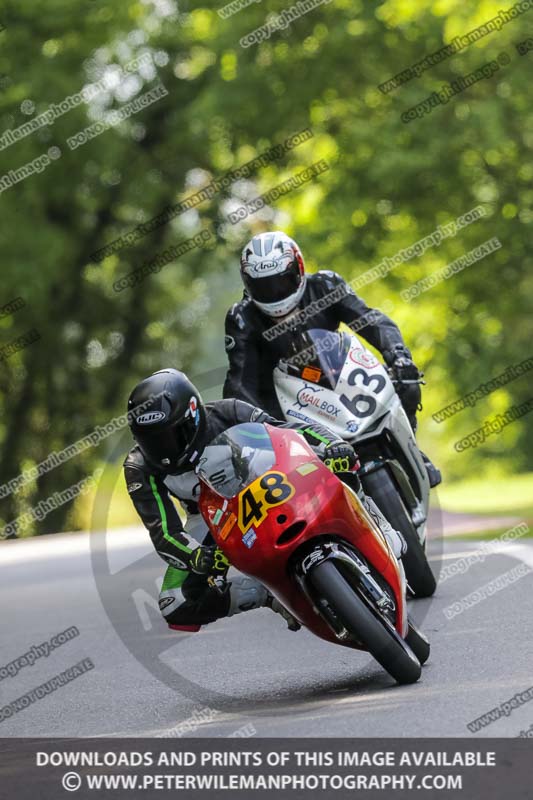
(151,417)
(264,266)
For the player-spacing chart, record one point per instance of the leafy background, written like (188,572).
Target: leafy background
(389,185)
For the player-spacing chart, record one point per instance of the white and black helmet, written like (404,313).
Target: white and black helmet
(273,272)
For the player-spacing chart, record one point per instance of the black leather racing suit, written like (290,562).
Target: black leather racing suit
(254,344)
(186,598)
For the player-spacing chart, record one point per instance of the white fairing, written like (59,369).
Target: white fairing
(364,392)
(364,405)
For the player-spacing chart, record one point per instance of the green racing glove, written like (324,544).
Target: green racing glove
(340,457)
(209,561)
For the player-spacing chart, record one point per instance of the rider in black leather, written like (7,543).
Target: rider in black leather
(172,426)
(281,299)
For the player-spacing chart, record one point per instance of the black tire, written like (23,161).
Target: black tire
(382,489)
(382,641)
(418,643)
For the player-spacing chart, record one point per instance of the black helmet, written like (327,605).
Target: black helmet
(167,419)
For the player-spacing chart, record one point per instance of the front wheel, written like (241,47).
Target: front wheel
(382,489)
(382,641)
(418,643)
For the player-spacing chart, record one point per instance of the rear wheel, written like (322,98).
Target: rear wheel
(382,489)
(372,630)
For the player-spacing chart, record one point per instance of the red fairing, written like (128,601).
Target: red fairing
(324,506)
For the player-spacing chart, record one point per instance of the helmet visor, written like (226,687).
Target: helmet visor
(170,446)
(185,433)
(273,288)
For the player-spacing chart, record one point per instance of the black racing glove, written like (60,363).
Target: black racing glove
(340,457)
(209,561)
(402,364)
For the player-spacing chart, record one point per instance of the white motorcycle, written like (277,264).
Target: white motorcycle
(335,380)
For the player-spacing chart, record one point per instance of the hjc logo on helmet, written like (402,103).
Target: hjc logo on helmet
(151,417)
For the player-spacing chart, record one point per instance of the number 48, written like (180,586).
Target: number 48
(272,489)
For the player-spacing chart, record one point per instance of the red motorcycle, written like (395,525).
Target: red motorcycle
(281,516)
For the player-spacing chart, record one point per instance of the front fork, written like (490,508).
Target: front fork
(358,570)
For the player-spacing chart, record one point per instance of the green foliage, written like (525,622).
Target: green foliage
(512,495)
(389,185)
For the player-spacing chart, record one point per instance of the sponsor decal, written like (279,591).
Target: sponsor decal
(352,426)
(229,343)
(306,469)
(312,374)
(307,397)
(218,478)
(311,559)
(228,527)
(177,563)
(165,602)
(249,538)
(133,487)
(151,417)
(302,398)
(297,415)
(218,516)
(194,411)
(364,358)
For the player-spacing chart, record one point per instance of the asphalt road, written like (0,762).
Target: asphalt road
(248,671)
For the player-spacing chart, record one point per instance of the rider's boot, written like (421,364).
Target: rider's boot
(394,538)
(277,608)
(247,593)
(433,472)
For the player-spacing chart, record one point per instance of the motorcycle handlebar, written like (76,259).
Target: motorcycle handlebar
(407,382)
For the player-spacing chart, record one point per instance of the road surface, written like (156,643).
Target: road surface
(248,673)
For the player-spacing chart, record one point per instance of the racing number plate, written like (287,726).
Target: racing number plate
(271,489)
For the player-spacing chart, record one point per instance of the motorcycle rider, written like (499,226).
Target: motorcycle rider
(281,298)
(171,427)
